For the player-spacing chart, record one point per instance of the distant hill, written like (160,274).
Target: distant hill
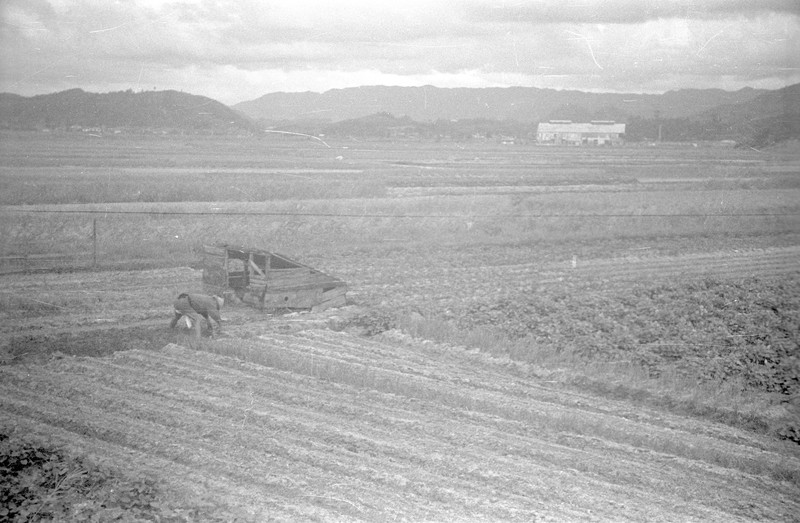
(751,117)
(768,119)
(387,126)
(524,104)
(124,110)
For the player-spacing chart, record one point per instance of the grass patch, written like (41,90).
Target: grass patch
(333,226)
(69,185)
(20,306)
(43,483)
(733,400)
(311,184)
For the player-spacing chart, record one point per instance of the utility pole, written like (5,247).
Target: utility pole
(94,243)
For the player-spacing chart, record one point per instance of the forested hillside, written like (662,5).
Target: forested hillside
(122,110)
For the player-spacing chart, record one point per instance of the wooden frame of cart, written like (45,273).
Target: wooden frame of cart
(268,280)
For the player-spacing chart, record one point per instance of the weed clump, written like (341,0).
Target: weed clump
(38,483)
(373,322)
(41,484)
(711,330)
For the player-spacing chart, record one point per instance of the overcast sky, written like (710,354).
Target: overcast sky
(238,50)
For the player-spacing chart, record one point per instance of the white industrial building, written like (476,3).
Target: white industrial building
(566,132)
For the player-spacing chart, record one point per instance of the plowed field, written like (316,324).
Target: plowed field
(333,427)
(533,333)
(442,284)
(284,419)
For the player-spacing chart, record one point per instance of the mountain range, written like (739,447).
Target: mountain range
(754,117)
(751,117)
(123,110)
(524,104)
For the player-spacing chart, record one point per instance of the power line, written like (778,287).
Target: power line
(383,215)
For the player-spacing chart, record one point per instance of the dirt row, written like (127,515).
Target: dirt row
(436,286)
(328,426)
(762,263)
(41,305)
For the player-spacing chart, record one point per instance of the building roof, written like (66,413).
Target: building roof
(570,127)
(246,250)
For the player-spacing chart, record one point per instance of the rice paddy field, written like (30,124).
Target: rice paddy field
(532,333)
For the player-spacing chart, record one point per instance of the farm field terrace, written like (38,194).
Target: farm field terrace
(306,199)
(655,285)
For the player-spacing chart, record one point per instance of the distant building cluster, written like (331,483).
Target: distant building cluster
(566,132)
(107,130)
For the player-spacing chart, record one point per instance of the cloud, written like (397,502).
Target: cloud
(237,50)
(623,11)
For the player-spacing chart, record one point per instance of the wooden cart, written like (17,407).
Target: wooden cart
(268,280)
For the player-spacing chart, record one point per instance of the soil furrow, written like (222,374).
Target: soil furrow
(315,440)
(310,423)
(221,405)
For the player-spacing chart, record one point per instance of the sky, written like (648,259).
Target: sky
(239,50)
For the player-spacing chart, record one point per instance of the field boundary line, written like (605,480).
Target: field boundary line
(398,216)
(111,325)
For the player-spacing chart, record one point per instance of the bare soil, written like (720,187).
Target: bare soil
(430,433)
(281,418)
